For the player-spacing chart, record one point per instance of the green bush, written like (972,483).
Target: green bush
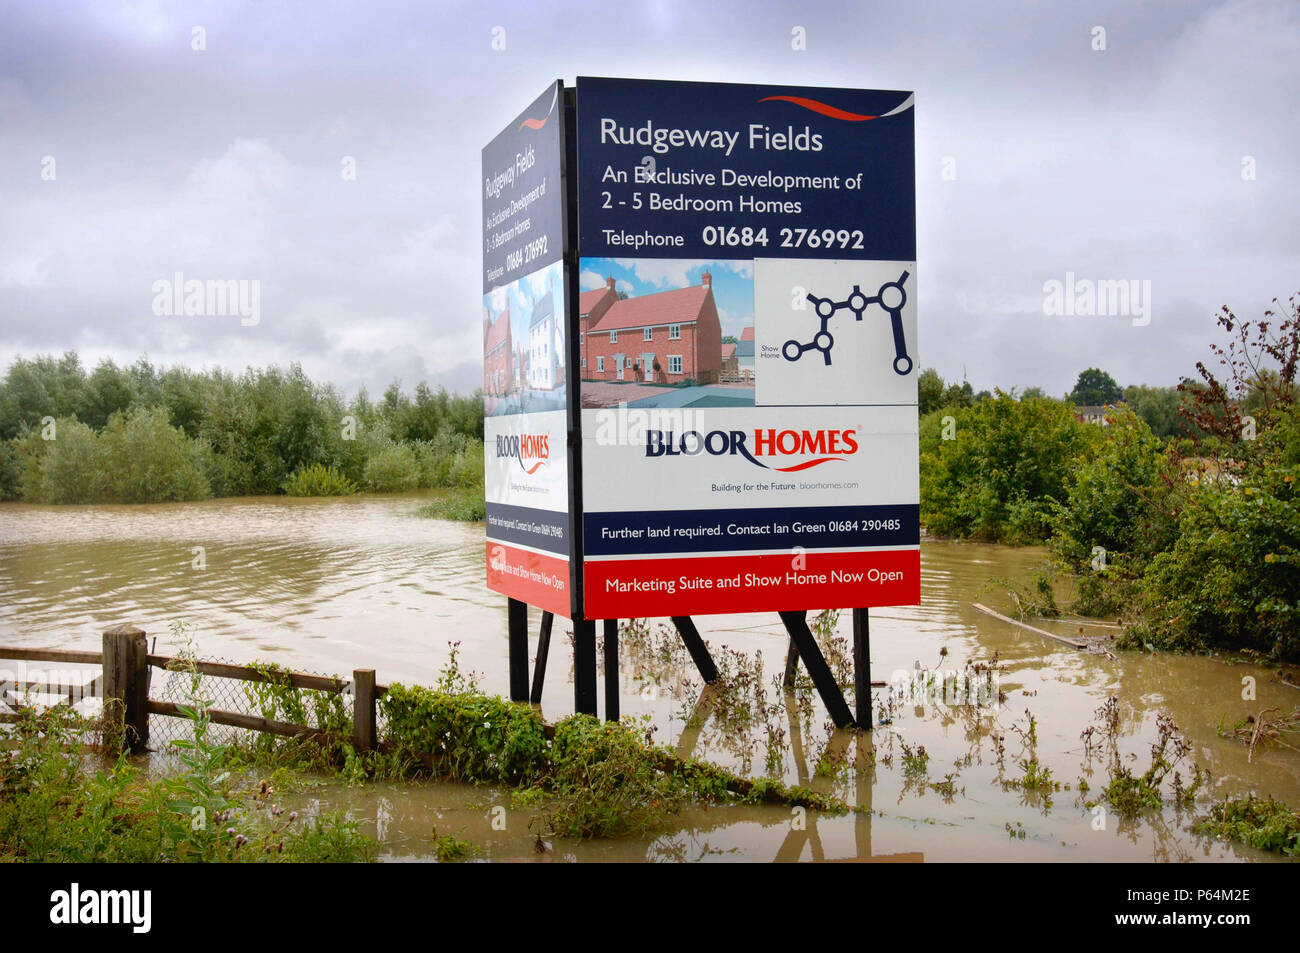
(465,506)
(465,736)
(1262,823)
(319,480)
(1119,497)
(393,469)
(11,471)
(1232,577)
(66,469)
(1004,469)
(145,459)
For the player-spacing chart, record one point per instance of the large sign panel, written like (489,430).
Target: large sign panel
(525,351)
(747,322)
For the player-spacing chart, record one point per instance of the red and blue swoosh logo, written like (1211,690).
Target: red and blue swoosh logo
(535,124)
(834,112)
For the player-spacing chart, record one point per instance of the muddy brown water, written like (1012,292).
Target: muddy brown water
(332,585)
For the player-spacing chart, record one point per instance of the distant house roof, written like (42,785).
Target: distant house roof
(728,349)
(747,334)
(542,310)
(498,332)
(679,306)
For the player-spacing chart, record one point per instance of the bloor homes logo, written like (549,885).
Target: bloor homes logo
(531,450)
(770,449)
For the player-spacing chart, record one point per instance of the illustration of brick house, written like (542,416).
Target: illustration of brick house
(729,367)
(667,338)
(745,352)
(498,369)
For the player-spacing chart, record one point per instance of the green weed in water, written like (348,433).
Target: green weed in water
(1262,823)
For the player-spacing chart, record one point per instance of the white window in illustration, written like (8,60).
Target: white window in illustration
(674,332)
(649,335)
(674,363)
(600,364)
(613,337)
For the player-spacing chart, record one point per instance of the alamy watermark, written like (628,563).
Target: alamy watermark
(1086,297)
(178,296)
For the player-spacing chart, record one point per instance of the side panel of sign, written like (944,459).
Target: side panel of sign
(525,357)
(748,348)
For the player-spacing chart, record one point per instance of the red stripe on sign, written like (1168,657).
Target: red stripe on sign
(534,578)
(698,585)
(825,110)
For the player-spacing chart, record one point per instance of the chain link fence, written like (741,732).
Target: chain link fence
(275,700)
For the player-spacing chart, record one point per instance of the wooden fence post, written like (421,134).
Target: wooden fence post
(126,683)
(363,710)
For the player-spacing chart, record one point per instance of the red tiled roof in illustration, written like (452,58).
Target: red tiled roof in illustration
(588,300)
(728,349)
(747,334)
(680,306)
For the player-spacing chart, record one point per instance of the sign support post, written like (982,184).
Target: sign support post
(862,667)
(517,624)
(584,666)
(543,650)
(611,669)
(796,623)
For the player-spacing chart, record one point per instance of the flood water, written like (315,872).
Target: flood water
(332,585)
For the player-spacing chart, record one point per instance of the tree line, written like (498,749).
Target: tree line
(140,433)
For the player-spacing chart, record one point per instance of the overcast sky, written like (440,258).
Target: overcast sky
(1122,163)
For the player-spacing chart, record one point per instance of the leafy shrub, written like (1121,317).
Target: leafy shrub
(1007,467)
(1120,496)
(464,737)
(11,471)
(319,480)
(67,469)
(145,459)
(604,783)
(1232,577)
(466,506)
(393,469)
(1262,823)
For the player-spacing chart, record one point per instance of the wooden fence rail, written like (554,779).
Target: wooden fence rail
(123,683)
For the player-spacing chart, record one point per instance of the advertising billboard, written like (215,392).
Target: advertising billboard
(525,359)
(747,348)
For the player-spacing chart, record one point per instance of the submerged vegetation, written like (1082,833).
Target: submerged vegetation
(1262,823)
(224,796)
(582,777)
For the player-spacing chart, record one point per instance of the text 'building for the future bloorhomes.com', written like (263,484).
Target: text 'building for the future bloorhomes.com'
(670,337)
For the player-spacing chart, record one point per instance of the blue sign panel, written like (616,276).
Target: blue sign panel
(705,170)
(523,197)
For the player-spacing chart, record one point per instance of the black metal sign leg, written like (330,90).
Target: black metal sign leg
(611,670)
(791,666)
(862,667)
(796,623)
(543,650)
(695,645)
(517,624)
(584,667)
